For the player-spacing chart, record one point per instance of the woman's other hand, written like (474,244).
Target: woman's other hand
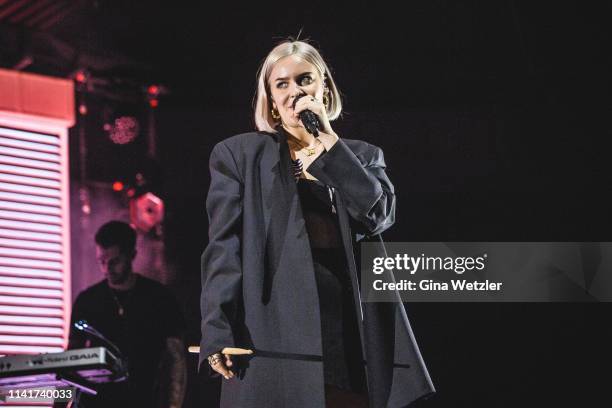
(222,362)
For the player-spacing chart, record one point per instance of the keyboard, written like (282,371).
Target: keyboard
(81,368)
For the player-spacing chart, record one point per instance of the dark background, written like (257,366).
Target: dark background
(493,116)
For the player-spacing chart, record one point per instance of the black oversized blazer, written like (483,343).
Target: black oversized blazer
(258,282)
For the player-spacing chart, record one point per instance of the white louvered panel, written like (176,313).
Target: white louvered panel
(32,208)
(44,331)
(29,217)
(30,146)
(30,283)
(22,189)
(30,301)
(20,291)
(26,171)
(33,236)
(30,272)
(37,245)
(29,136)
(31,321)
(30,263)
(26,253)
(34,224)
(29,226)
(29,154)
(31,311)
(31,340)
(29,198)
(30,163)
(10,349)
(29,181)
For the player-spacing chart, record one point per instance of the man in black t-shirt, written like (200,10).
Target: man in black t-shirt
(141,317)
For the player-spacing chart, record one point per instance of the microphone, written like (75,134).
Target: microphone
(308,118)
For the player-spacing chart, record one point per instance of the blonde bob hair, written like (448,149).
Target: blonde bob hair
(263,106)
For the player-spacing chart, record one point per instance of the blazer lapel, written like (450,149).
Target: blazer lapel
(280,195)
(347,240)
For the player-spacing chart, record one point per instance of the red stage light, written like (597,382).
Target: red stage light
(131,192)
(153,103)
(80,77)
(117,186)
(153,90)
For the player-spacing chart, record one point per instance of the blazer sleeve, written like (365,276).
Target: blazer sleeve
(365,188)
(221,260)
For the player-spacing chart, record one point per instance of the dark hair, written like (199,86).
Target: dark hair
(117,233)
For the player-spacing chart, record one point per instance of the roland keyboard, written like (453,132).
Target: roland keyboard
(82,368)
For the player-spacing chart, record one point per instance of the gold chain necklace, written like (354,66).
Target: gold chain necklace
(309,150)
(120,308)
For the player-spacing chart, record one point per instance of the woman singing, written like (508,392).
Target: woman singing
(279,276)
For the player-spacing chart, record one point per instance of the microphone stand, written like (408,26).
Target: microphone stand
(83,326)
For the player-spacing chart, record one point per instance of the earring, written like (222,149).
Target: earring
(326,101)
(275,114)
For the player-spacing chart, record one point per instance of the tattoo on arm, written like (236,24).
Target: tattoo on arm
(174,369)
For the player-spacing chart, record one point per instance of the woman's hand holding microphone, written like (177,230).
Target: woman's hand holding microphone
(304,102)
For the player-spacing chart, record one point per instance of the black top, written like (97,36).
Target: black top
(319,214)
(137,321)
(341,344)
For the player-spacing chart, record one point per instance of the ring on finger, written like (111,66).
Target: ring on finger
(214,359)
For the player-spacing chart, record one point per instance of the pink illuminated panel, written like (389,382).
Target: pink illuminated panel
(34,239)
(35,114)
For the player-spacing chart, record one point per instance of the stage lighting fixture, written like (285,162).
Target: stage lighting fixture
(124,130)
(80,76)
(146,211)
(82,109)
(153,90)
(153,93)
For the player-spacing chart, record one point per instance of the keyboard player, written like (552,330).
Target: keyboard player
(141,317)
